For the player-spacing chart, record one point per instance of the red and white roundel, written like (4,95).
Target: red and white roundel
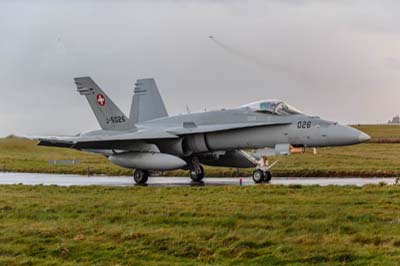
(101,100)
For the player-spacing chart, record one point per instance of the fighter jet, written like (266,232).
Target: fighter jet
(150,140)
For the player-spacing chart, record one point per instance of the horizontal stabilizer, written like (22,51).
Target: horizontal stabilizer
(56,143)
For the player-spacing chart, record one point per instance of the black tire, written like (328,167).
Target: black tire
(258,176)
(141,176)
(267,176)
(196,175)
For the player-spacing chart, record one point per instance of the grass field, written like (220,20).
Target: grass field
(260,225)
(371,159)
(230,225)
(382,133)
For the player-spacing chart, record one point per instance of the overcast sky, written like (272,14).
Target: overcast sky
(336,59)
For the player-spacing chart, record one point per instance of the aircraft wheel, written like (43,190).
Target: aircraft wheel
(197,173)
(267,176)
(141,176)
(258,176)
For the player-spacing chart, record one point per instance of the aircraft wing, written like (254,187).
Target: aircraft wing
(191,128)
(114,141)
(125,140)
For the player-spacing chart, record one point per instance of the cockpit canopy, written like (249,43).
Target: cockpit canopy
(275,107)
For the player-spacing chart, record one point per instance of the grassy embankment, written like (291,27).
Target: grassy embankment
(261,225)
(371,159)
(382,133)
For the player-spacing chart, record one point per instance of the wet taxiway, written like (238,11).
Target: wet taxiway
(78,180)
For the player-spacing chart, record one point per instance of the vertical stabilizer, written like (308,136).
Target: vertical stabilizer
(147,103)
(109,116)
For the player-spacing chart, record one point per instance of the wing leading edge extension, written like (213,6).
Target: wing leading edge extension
(191,128)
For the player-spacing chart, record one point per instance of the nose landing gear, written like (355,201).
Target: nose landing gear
(263,171)
(260,176)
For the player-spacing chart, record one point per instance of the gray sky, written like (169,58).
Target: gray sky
(336,59)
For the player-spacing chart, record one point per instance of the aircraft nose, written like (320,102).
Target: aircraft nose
(346,135)
(353,136)
(363,137)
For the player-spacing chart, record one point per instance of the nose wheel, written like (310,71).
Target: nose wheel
(141,176)
(267,176)
(260,176)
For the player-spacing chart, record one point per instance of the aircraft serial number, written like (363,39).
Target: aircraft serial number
(304,124)
(115,119)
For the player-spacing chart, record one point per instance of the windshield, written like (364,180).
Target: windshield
(272,107)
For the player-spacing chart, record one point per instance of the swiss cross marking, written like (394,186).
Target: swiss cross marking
(101,100)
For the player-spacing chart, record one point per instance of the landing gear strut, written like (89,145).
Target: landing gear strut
(196,171)
(141,176)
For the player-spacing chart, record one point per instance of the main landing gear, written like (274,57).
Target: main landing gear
(141,176)
(196,171)
(260,176)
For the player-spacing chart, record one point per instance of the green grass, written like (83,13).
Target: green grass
(260,225)
(382,133)
(23,155)
(371,159)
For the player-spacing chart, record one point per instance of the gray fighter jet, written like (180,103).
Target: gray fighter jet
(150,140)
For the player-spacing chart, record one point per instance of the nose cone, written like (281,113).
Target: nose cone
(363,137)
(345,135)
